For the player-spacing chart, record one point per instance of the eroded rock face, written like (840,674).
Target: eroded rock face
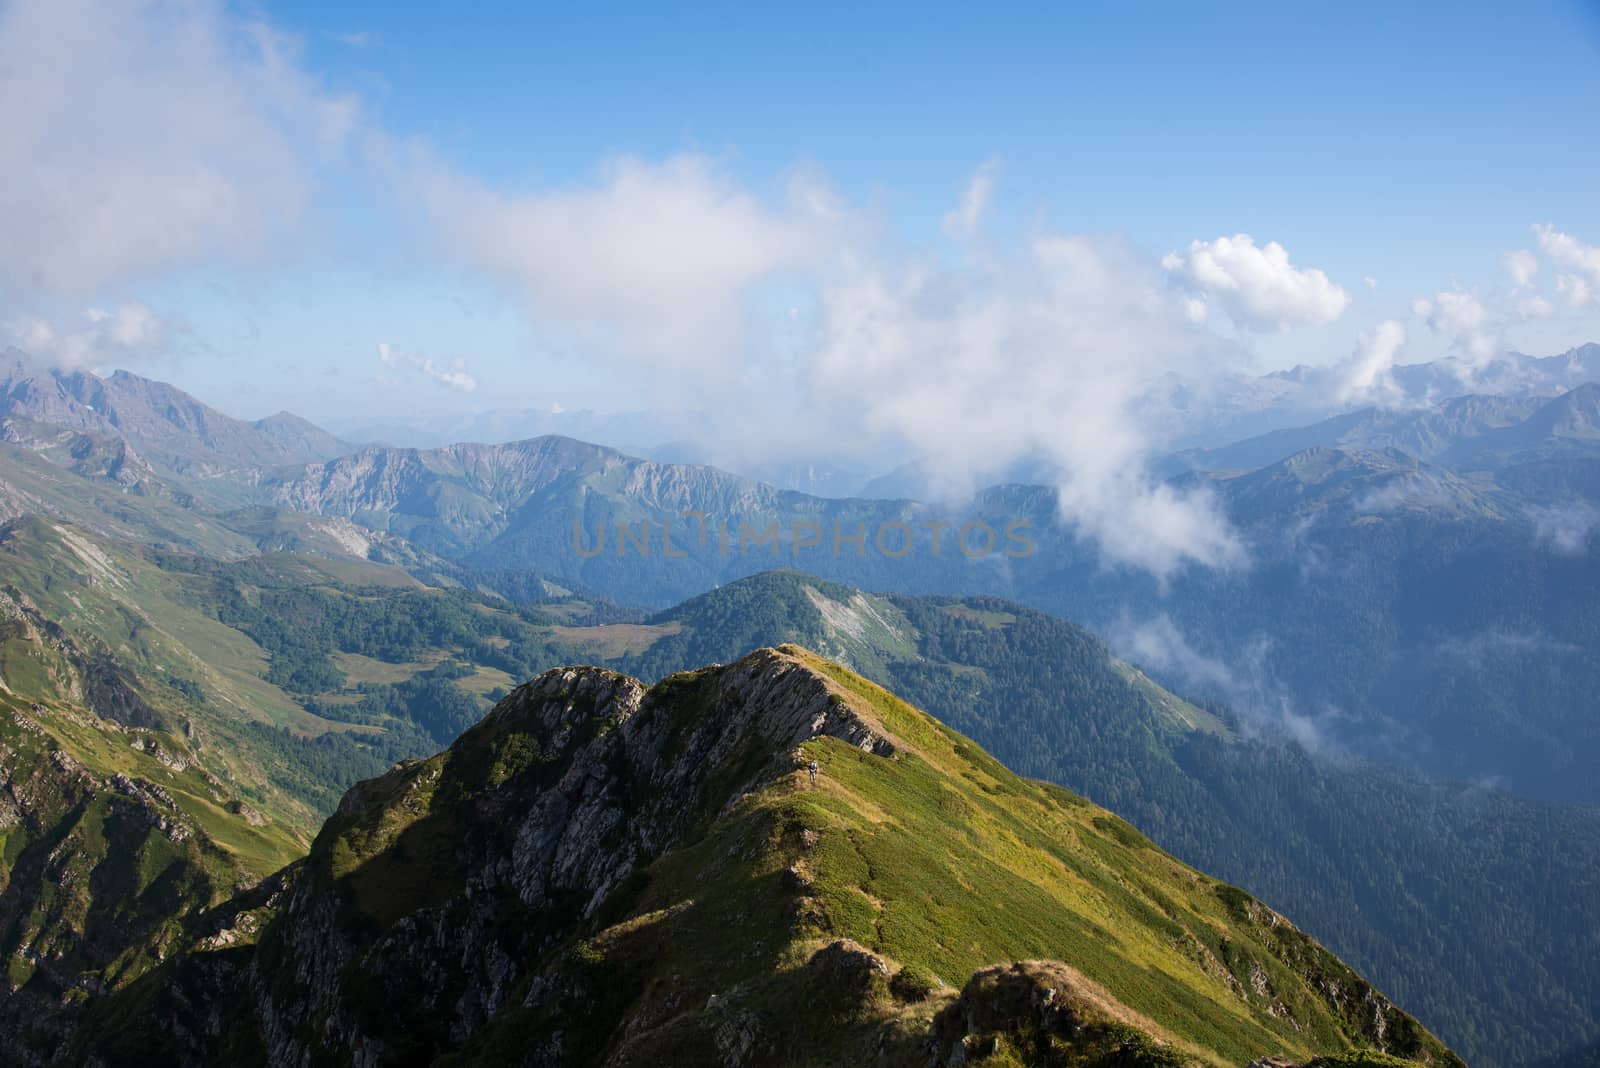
(439,884)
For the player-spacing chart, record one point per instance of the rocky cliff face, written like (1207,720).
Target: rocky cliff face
(598,777)
(604,873)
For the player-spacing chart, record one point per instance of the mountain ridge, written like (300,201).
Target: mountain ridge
(185,437)
(532,843)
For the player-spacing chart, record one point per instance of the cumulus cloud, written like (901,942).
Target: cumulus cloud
(1368,376)
(144,136)
(655,260)
(1258,287)
(963,220)
(451,376)
(129,334)
(1579,283)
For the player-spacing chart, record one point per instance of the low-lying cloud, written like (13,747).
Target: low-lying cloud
(1368,376)
(1042,353)
(1262,705)
(1565,528)
(127,335)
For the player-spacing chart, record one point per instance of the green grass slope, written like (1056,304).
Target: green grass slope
(113,842)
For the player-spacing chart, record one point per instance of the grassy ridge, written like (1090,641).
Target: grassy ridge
(936,862)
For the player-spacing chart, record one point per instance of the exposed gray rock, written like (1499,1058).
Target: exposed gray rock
(618,775)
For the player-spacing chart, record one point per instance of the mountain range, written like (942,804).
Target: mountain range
(217,626)
(1471,433)
(317,672)
(1231,407)
(157,423)
(1406,536)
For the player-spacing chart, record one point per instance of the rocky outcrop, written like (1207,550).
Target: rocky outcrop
(1044,1012)
(572,784)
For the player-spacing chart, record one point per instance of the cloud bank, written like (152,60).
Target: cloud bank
(1040,350)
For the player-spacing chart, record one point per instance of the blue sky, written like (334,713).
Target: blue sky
(1414,145)
(1354,131)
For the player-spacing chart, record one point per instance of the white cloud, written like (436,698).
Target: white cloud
(128,334)
(655,260)
(1038,350)
(1521,265)
(452,376)
(1463,319)
(1368,376)
(1259,288)
(1159,645)
(1042,353)
(144,136)
(1262,703)
(962,221)
(1580,285)
(1566,528)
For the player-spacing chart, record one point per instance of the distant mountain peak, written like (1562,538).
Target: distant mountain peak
(171,429)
